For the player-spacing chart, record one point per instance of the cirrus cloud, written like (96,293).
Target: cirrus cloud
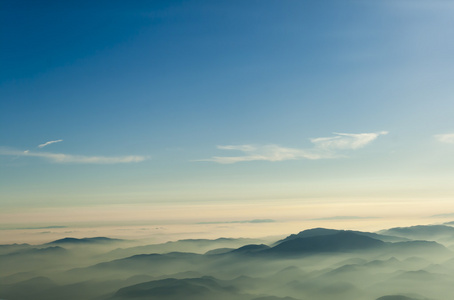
(48,143)
(78,159)
(266,152)
(346,140)
(323,147)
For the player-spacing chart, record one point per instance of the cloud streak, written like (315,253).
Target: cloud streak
(77,159)
(449,215)
(343,218)
(342,141)
(48,143)
(323,147)
(447,138)
(267,152)
(255,221)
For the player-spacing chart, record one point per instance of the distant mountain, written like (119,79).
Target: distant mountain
(420,248)
(31,260)
(391,262)
(5,249)
(351,261)
(328,240)
(175,289)
(362,273)
(54,250)
(340,241)
(319,289)
(18,277)
(148,264)
(274,298)
(219,251)
(289,272)
(75,241)
(187,245)
(425,232)
(248,249)
(416,285)
(309,233)
(420,275)
(325,231)
(316,264)
(396,297)
(179,275)
(26,289)
(199,288)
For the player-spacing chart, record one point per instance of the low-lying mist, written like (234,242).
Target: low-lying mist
(317,264)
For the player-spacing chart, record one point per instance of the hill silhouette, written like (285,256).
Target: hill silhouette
(426,232)
(75,241)
(316,264)
(339,241)
(173,289)
(325,231)
(395,297)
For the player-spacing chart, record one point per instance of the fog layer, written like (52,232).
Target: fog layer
(394,264)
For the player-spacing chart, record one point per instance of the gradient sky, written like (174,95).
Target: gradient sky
(215,102)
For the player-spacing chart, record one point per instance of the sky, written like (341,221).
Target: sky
(214,104)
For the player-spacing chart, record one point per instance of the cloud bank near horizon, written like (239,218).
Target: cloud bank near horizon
(324,147)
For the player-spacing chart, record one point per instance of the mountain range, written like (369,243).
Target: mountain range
(316,264)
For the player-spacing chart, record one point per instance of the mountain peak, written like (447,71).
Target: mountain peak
(339,241)
(92,240)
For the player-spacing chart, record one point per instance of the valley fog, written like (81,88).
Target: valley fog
(415,262)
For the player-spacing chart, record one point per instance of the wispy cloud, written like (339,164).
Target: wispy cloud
(447,138)
(324,147)
(267,152)
(48,143)
(255,221)
(346,140)
(68,158)
(39,227)
(449,215)
(343,218)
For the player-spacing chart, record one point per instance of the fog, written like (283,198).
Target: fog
(393,264)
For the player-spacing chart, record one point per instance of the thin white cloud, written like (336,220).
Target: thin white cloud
(255,221)
(346,140)
(244,148)
(266,152)
(48,143)
(78,159)
(447,138)
(324,147)
(343,218)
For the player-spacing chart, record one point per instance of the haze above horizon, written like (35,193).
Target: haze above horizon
(221,113)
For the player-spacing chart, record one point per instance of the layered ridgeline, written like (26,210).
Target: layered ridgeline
(395,264)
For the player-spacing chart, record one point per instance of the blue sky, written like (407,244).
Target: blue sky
(224,101)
